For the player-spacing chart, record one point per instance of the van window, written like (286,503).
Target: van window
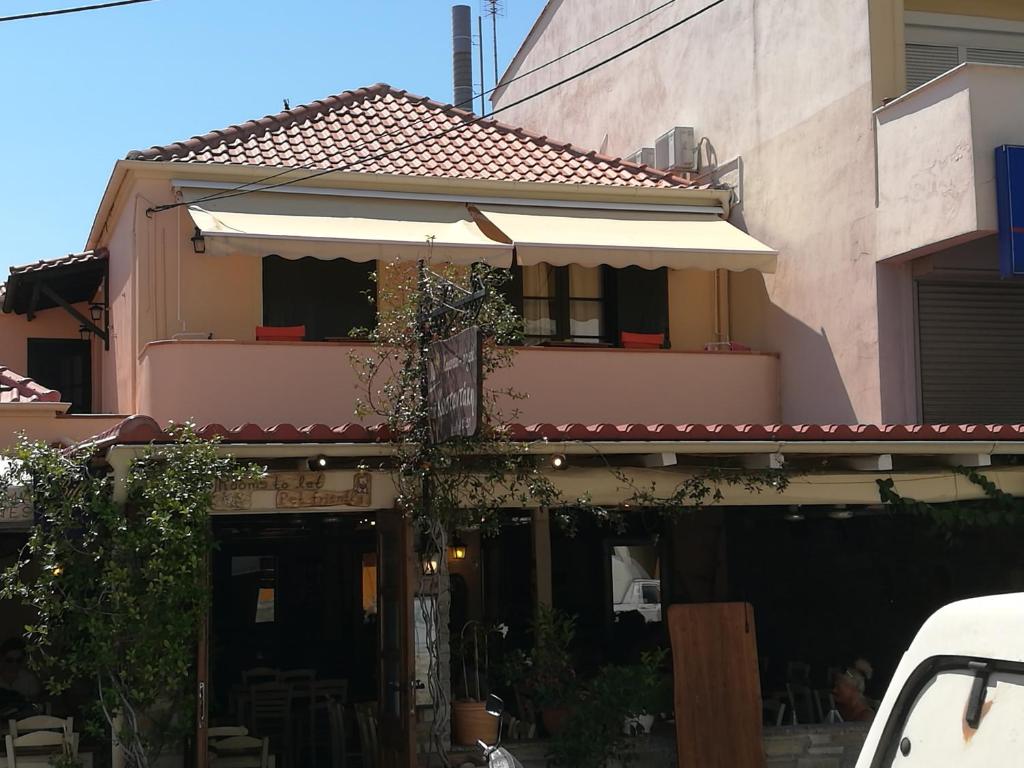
(936,733)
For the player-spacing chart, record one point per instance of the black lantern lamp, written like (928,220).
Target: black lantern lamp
(198,242)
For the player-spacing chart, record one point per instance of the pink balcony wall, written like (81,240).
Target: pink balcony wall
(233,382)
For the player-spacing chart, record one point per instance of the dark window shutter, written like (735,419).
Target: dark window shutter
(642,300)
(513,288)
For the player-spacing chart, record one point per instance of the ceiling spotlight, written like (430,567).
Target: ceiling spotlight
(840,512)
(318,462)
(794,515)
(558,461)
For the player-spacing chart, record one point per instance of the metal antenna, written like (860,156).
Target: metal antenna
(494,9)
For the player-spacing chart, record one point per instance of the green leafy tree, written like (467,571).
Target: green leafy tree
(119,588)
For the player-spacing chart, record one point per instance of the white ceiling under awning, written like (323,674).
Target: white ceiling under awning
(561,236)
(353,228)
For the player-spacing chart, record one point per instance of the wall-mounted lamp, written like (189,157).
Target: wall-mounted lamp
(840,512)
(318,463)
(96,313)
(794,515)
(198,242)
(429,563)
(457,550)
(558,461)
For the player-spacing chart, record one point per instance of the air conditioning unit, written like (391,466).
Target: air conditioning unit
(675,150)
(643,156)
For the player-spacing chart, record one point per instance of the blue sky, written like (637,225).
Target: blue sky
(80,91)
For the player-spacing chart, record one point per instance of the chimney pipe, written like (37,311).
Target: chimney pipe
(462,57)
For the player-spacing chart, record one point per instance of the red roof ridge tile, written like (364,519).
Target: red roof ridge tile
(15,388)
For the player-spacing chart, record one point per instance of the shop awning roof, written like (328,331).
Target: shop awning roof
(617,238)
(329,227)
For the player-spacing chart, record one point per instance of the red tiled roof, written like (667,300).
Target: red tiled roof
(15,388)
(143,429)
(71,260)
(351,130)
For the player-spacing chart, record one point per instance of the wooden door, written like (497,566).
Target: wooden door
(717,686)
(203,682)
(396,703)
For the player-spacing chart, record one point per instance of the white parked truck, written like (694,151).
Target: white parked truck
(957,697)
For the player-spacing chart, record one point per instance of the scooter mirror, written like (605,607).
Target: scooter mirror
(494,706)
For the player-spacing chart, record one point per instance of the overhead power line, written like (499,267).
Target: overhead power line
(257,186)
(77,9)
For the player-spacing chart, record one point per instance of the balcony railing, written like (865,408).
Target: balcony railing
(232,382)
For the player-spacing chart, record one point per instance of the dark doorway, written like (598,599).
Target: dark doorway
(329,297)
(295,604)
(64,365)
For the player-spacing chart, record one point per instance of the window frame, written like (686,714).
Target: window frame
(561,303)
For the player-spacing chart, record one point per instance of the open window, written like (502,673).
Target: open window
(329,297)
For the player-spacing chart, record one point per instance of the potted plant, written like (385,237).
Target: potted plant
(470,721)
(549,677)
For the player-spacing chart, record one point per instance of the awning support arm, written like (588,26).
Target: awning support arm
(59,301)
(33,302)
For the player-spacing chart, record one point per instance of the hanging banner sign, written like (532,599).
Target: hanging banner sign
(455,385)
(1010,196)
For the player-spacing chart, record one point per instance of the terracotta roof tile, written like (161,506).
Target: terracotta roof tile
(72,259)
(143,429)
(368,130)
(15,388)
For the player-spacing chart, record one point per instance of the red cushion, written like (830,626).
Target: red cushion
(642,340)
(280,333)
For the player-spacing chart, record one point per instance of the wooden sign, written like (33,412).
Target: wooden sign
(455,385)
(291,490)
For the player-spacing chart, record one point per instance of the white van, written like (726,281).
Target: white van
(957,698)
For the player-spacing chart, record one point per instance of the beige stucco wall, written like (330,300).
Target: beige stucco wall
(787,85)
(996,9)
(49,423)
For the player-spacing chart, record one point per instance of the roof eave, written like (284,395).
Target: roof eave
(394,182)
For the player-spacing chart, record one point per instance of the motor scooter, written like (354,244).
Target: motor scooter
(496,755)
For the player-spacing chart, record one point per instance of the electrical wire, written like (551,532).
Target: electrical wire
(258,186)
(258,183)
(77,9)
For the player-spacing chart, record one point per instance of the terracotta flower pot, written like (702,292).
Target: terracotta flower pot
(554,719)
(471,723)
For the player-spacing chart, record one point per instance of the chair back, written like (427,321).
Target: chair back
(65,725)
(336,721)
(798,672)
(38,744)
(259,675)
(801,704)
(270,706)
(241,751)
(366,719)
(226,731)
(641,340)
(332,689)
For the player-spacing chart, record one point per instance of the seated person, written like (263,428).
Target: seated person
(15,677)
(848,692)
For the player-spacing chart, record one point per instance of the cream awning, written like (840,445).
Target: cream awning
(353,228)
(561,236)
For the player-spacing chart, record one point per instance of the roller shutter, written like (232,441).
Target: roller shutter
(926,62)
(971,351)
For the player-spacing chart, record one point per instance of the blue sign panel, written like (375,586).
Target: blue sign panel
(1010,193)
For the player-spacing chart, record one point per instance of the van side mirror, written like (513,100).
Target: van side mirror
(494,706)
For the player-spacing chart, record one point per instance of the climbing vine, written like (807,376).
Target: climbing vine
(466,483)
(119,588)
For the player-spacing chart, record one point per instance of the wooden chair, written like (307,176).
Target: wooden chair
(36,746)
(336,727)
(302,682)
(324,692)
(270,714)
(65,725)
(366,719)
(241,751)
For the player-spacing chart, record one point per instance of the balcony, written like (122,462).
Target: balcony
(935,148)
(232,382)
